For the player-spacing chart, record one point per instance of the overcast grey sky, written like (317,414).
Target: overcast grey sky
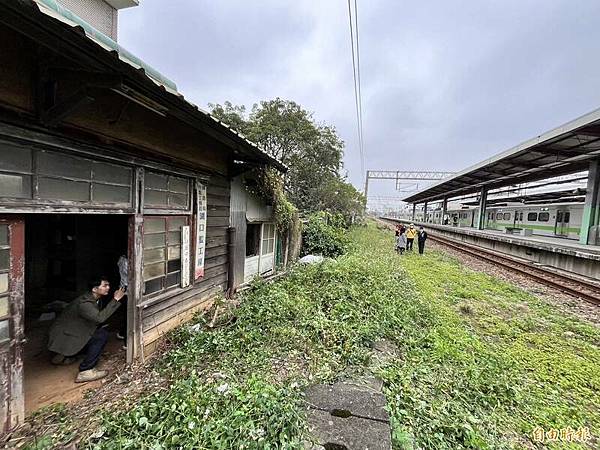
(445,83)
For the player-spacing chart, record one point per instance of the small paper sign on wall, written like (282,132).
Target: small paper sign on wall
(185,256)
(200,230)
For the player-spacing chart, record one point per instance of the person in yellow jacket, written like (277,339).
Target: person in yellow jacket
(411,234)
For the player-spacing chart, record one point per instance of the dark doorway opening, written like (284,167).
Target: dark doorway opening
(62,253)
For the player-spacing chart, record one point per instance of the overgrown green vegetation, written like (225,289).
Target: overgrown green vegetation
(268,184)
(480,363)
(324,234)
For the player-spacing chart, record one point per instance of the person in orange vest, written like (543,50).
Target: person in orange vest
(411,234)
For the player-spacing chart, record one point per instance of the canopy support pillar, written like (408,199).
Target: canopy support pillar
(482,208)
(590,222)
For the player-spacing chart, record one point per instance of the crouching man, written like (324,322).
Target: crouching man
(78,330)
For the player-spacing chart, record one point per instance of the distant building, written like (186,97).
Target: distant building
(101,14)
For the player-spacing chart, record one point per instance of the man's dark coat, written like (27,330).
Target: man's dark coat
(74,327)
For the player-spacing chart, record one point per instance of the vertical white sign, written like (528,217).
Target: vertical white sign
(200,230)
(185,256)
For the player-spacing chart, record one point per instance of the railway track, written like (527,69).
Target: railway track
(576,286)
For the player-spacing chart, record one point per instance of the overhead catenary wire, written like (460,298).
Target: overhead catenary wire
(356,78)
(360,108)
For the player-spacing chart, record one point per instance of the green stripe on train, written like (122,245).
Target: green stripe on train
(531,227)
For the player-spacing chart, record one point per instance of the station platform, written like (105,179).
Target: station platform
(557,252)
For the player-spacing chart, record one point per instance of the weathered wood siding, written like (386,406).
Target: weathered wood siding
(159,318)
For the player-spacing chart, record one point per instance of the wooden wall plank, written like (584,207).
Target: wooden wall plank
(156,314)
(216,251)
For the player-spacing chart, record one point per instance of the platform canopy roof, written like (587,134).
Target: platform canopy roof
(561,151)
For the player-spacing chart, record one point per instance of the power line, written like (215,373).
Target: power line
(355,74)
(360,109)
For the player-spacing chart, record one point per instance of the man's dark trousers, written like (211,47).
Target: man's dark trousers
(93,349)
(409,243)
(421,247)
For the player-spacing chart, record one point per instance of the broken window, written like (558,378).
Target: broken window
(252,239)
(166,191)
(162,252)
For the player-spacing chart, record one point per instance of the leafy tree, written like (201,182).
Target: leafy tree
(231,115)
(313,153)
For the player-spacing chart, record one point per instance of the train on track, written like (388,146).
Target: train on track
(551,219)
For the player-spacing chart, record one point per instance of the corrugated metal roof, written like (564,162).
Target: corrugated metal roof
(563,150)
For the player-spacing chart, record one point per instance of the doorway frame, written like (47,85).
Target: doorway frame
(12,409)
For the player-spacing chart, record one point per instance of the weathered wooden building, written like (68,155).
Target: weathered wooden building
(100,156)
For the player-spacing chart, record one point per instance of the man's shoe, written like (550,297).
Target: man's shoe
(90,375)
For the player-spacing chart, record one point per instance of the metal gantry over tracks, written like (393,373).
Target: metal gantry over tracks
(404,175)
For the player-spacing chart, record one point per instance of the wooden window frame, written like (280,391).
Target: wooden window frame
(167,209)
(29,203)
(166,291)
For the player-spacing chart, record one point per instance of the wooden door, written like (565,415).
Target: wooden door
(12,252)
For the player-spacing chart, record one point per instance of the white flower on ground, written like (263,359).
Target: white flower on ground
(223,388)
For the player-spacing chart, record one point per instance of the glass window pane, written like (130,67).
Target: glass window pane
(567,217)
(174,266)
(106,193)
(3,283)
(153,285)
(178,185)
(112,173)
(155,181)
(157,198)
(173,279)
(154,270)
(51,188)
(174,252)
(178,200)
(4,332)
(3,306)
(174,237)
(3,234)
(175,223)
(544,216)
(4,259)
(154,255)
(154,240)
(17,186)
(63,165)
(154,224)
(15,159)
(532,217)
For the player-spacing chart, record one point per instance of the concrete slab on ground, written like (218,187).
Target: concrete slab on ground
(349,416)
